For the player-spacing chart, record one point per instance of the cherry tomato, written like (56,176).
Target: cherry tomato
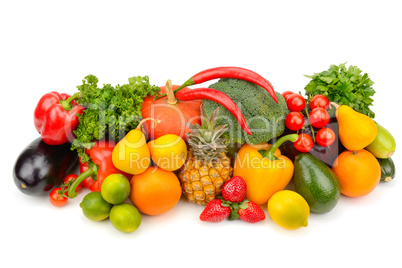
(295,102)
(68,180)
(319,117)
(319,101)
(304,144)
(294,121)
(286,94)
(57,198)
(325,137)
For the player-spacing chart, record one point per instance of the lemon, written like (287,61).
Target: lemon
(168,152)
(288,209)
(115,189)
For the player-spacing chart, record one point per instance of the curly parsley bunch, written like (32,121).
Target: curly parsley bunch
(343,86)
(110,111)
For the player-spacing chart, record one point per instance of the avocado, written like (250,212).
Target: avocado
(316,182)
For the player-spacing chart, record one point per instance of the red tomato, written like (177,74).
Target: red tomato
(304,144)
(319,101)
(319,117)
(286,94)
(325,137)
(68,180)
(295,102)
(57,198)
(294,121)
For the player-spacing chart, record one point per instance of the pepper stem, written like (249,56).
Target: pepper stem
(92,170)
(270,153)
(66,104)
(189,82)
(171,99)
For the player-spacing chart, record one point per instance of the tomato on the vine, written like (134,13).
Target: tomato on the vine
(295,102)
(325,137)
(294,121)
(68,180)
(57,197)
(304,144)
(286,94)
(319,117)
(319,101)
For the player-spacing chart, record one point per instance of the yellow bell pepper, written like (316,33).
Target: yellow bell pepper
(264,169)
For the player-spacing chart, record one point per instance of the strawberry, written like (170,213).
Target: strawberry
(214,211)
(234,190)
(250,212)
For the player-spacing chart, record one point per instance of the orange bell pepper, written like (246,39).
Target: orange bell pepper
(264,169)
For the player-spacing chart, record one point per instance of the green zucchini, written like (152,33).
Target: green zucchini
(387,169)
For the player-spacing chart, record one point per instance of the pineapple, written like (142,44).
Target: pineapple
(207,167)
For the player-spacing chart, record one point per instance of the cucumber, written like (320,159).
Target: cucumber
(387,169)
(383,145)
(316,182)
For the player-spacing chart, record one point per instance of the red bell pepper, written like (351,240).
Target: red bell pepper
(55,117)
(100,166)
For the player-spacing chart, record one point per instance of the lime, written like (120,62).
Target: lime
(288,209)
(95,207)
(125,217)
(115,189)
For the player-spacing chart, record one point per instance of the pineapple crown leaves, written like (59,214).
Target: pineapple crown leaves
(205,139)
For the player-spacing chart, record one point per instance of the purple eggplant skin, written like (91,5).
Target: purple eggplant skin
(41,167)
(328,154)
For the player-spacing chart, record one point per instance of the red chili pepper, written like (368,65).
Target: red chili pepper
(55,117)
(230,72)
(216,96)
(101,165)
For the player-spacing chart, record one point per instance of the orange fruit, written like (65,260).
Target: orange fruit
(358,172)
(155,191)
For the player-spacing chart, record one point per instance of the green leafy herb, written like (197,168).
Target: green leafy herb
(110,111)
(343,86)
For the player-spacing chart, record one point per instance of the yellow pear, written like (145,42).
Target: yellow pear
(131,154)
(356,130)
(168,152)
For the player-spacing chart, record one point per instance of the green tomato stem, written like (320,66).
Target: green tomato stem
(311,127)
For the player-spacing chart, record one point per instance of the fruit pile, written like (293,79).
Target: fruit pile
(140,148)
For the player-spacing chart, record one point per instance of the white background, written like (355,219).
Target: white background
(47,45)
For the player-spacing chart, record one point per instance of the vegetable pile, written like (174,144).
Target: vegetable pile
(233,147)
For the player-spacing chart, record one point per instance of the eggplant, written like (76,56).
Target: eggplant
(40,167)
(325,154)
